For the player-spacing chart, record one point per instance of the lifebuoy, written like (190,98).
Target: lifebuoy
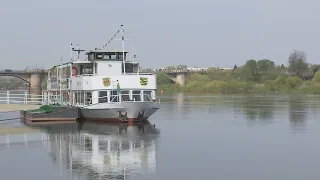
(74,71)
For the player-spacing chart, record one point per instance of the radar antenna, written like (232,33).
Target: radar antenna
(78,50)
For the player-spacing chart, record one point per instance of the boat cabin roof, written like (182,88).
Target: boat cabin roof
(103,55)
(105,52)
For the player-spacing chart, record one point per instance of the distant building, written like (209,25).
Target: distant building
(226,68)
(197,69)
(192,69)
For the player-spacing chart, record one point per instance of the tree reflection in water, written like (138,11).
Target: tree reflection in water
(298,110)
(257,109)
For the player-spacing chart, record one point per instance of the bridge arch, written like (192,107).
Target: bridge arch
(23,79)
(33,80)
(16,76)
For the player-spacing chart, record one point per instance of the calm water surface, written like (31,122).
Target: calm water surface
(212,137)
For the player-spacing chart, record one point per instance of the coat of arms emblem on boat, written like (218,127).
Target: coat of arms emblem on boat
(143,81)
(106,82)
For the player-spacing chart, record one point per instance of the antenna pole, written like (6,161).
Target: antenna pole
(71,51)
(78,50)
(122,42)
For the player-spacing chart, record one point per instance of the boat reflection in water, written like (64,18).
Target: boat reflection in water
(90,150)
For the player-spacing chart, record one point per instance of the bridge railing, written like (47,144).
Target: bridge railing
(24,71)
(10,97)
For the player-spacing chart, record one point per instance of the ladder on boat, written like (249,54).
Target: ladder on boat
(115,88)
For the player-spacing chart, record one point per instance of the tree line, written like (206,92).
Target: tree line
(255,76)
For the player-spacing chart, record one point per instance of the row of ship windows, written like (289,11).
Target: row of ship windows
(125,95)
(113,96)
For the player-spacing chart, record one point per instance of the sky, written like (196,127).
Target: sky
(202,33)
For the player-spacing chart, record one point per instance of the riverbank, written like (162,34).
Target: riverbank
(17,130)
(17,107)
(239,91)
(202,84)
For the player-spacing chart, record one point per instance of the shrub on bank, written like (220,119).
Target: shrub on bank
(197,83)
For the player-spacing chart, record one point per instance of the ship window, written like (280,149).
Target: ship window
(103,96)
(119,57)
(113,56)
(91,57)
(79,97)
(86,69)
(81,69)
(135,67)
(98,56)
(106,56)
(147,96)
(88,96)
(125,95)
(114,97)
(131,67)
(136,95)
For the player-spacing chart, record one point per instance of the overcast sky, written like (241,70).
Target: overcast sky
(203,33)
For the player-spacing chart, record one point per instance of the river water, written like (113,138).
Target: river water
(195,137)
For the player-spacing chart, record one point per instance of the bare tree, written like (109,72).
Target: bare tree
(297,62)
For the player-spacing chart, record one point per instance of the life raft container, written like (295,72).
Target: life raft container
(74,71)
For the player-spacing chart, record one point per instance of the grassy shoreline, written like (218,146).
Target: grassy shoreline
(204,84)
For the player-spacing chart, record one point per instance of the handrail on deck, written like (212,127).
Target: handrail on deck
(26,98)
(119,95)
(85,75)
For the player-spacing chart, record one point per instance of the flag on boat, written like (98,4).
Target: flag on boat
(118,86)
(143,81)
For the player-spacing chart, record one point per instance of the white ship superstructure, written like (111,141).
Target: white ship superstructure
(107,85)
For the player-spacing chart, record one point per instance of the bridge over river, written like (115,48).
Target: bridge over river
(33,77)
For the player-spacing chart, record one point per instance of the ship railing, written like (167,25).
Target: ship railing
(153,98)
(54,99)
(105,99)
(84,75)
(113,74)
(138,73)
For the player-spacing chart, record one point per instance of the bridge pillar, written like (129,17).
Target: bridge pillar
(181,79)
(35,84)
(178,77)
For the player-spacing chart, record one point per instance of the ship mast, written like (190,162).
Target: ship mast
(71,59)
(122,42)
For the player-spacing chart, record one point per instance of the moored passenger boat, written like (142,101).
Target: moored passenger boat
(106,86)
